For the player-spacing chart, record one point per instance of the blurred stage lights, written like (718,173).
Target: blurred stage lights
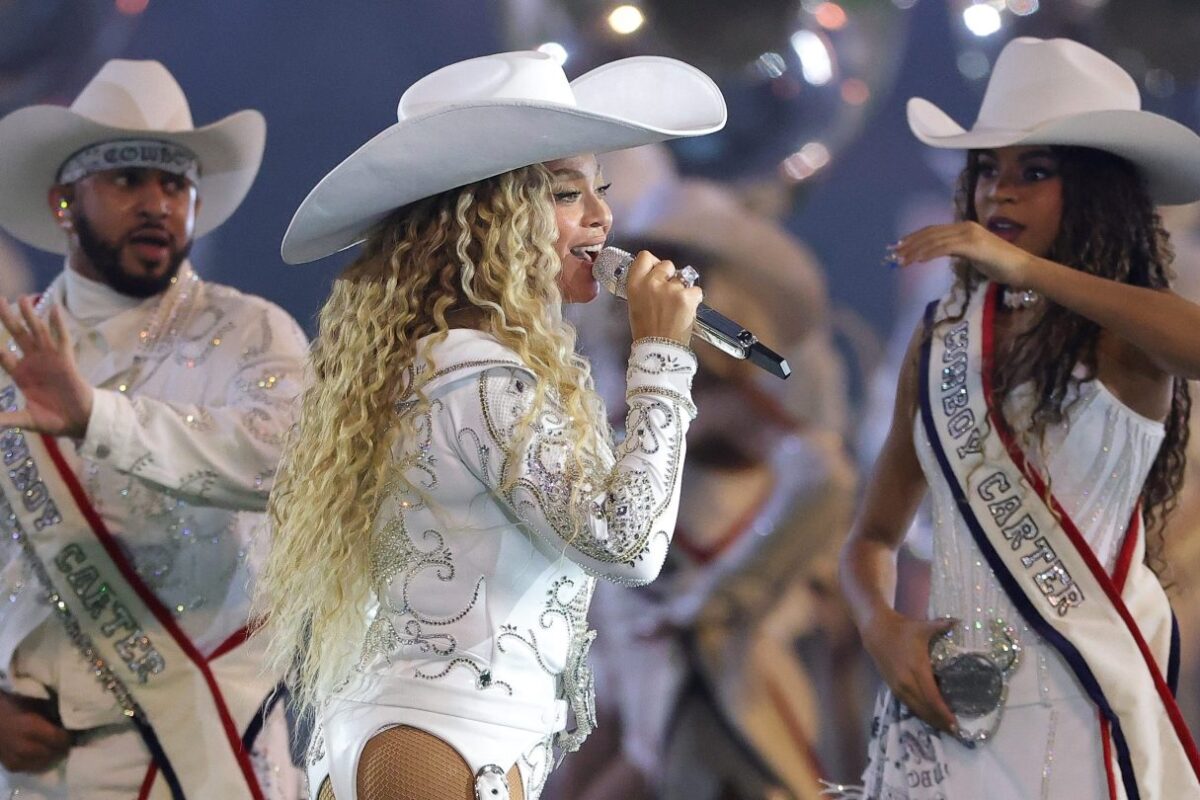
(981,19)
(830,16)
(802,164)
(131,8)
(973,65)
(1023,8)
(771,65)
(626,19)
(555,51)
(815,61)
(855,91)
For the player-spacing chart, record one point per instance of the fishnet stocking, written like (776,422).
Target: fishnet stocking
(409,764)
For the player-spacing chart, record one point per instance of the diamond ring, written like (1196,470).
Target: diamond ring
(688,276)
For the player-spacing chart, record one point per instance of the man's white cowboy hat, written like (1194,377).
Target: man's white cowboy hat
(1057,91)
(126,100)
(485,116)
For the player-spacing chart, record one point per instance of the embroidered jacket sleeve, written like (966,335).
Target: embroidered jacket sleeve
(627,505)
(223,450)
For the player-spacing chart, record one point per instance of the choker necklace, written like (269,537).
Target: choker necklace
(1025,298)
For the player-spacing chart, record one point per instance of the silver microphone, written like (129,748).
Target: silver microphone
(611,270)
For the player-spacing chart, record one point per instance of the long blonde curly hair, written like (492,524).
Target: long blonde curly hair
(486,248)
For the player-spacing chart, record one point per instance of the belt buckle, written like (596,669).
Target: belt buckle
(974,683)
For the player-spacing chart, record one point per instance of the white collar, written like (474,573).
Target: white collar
(91,301)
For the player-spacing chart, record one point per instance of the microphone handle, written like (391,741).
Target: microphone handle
(731,338)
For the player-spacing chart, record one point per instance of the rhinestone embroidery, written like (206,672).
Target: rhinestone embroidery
(618,501)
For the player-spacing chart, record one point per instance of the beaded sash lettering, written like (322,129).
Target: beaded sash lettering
(1115,638)
(128,640)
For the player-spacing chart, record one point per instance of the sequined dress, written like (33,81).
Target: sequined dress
(1047,744)
(478,631)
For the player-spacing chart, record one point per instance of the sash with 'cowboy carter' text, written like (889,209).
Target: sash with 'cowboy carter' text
(197,713)
(1114,632)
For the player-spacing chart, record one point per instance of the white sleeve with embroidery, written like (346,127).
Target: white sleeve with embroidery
(629,507)
(222,454)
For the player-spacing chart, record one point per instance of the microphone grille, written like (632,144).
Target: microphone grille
(611,270)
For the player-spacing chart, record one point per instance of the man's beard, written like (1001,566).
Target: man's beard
(106,258)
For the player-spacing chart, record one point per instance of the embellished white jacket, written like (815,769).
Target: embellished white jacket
(179,456)
(482,591)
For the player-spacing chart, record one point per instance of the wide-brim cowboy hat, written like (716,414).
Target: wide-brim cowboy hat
(485,116)
(1059,92)
(126,100)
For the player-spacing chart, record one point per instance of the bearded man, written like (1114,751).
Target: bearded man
(141,416)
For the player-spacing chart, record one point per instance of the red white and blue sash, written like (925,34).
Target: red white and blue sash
(197,713)
(1115,632)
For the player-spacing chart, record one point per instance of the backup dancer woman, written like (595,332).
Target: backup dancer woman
(451,493)
(1044,403)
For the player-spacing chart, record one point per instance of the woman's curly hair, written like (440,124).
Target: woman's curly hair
(486,249)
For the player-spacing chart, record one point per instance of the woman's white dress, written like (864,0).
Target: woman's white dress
(1048,743)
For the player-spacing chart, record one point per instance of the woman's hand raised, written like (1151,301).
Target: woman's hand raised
(1001,261)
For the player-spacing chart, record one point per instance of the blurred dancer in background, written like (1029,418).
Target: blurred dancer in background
(721,705)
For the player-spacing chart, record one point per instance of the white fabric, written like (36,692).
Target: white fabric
(178,466)
(480,635)
(1098,459)
(105,766)
(1044,751)
(1058,91)
(91,302)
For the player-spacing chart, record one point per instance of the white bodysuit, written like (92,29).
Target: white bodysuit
(479,634)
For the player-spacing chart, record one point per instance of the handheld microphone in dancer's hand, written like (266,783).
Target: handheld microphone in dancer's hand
(611,270)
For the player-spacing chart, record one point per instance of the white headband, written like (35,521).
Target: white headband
(124,153)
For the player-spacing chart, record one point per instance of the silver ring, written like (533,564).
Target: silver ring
(688,276)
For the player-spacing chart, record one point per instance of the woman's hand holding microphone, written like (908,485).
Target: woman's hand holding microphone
(661,304)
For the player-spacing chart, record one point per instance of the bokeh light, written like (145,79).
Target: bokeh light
(830,16)
(855,91)
(132,7)
(815,61)
(555,51)
(1023,8)
(981,19)
(626,19)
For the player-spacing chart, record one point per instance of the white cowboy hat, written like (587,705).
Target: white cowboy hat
(485,116)
(1057,91)
(126,100)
